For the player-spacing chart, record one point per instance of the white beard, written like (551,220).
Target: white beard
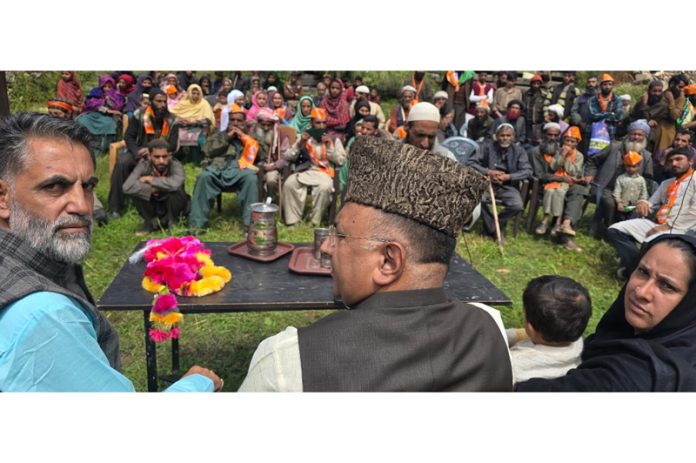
(45,237)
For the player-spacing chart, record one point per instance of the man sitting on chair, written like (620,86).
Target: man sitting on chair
(673,206)
(315,153)
(272,146)
(504,162)
(232,168)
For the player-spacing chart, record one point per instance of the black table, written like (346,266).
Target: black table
(265,286)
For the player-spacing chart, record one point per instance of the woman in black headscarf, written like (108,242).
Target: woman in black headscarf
(362,109)
(647,339)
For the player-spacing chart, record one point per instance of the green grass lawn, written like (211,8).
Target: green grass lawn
(226,342)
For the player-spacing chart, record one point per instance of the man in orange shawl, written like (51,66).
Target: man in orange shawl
(316,152)
(232,168)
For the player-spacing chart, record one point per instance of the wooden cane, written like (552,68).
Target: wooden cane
(495,218)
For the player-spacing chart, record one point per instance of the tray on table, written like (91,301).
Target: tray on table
(303,261)
(242,250)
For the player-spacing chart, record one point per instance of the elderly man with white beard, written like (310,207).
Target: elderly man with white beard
(272,147)
(504,162)
(52,338)
(603,169)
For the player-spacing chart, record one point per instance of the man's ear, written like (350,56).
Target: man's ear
(391,265)
(4,200)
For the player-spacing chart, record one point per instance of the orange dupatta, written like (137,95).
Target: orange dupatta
(320,160)
(672,191)
(559,173)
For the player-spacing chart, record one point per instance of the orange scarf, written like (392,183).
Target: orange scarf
(418,89)
(604,102)
(672,191)
(559,173)
(452,79)
(320,160)
(150,127)
(251,149)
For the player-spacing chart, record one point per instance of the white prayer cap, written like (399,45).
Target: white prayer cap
(407,88)
(552,125)
(362,89)
(424,112)
(440,94)
(556,108)
(625,97)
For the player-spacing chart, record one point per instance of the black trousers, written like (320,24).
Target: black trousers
(124,166)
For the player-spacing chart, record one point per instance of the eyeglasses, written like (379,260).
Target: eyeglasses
(333,235)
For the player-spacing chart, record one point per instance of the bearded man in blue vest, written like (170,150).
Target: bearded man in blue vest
(390,251)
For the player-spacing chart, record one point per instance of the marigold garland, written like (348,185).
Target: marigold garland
(178,266)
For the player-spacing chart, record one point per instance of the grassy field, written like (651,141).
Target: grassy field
(226,342)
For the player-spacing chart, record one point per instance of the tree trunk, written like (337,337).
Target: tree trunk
(4,100)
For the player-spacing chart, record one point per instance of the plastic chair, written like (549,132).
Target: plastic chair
(463,129)
(461,147)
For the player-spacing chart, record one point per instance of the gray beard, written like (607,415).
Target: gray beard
(266,136)
(635,146)
(550,148)
(45,237)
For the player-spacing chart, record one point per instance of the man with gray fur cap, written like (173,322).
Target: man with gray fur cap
(390,251)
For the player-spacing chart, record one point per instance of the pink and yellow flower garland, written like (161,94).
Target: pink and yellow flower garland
(178,266)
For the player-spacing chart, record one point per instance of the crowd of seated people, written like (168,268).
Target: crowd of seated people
(256,135)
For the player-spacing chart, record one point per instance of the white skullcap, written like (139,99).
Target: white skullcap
(407,88)
(272,89)
(552,125)
(440,94)
(556,108)
(625,97)
(362,89)
(424,112)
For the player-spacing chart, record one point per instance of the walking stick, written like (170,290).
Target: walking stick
(495,218)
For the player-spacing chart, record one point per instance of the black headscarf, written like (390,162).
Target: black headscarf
(351,125)
(617,359)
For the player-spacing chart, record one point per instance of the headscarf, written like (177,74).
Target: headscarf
(266,114)
(284,112)
(277,84)
(640,124)
(164,83)
(351,125)
(61,105)
(225,114)
(130,85)
(336,108)
(187,109)
(300,122)
(615,358)
(210,84)
(71,91)
(97,97)
(174,97)
(251,114)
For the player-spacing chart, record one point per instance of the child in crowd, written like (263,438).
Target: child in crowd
(219,106)
(630,187)
(556,311)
